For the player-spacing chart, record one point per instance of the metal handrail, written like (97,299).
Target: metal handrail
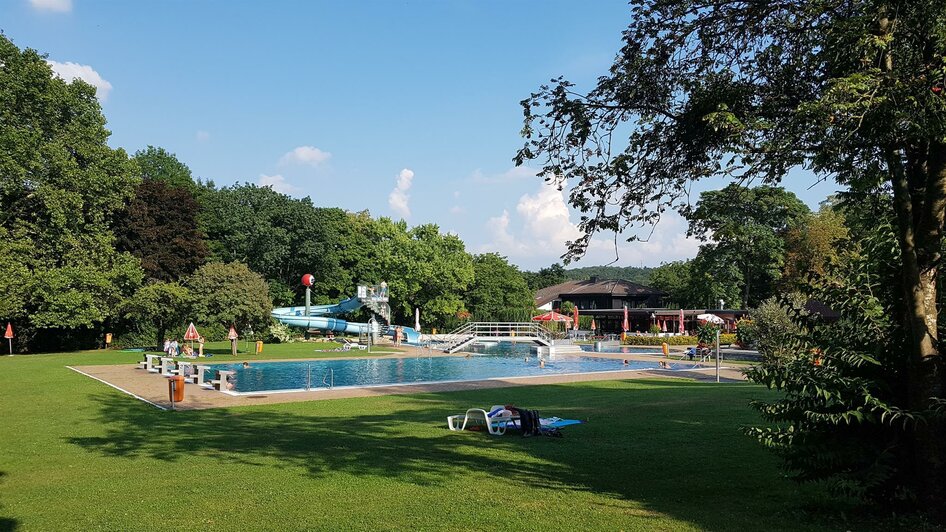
(494,329)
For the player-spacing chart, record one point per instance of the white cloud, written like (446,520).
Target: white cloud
(203,136)
(309,155)
(278,183)
(70,71)
(59,6)
(536,236)
(398,199)
(456,209)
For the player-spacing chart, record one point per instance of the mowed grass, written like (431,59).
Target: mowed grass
(653,455)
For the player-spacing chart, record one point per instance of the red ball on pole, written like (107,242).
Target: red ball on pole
(308,279)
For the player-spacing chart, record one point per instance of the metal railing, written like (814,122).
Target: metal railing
(496,330)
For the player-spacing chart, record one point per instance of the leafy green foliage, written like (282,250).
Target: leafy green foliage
(157,164)
(845,416)
(634,274)
(498,291)
(158,308)
(550,276)
(745,227)
(229,294)
(60,187)
(774,329)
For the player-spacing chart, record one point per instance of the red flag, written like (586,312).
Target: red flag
(626,324)
(9,333)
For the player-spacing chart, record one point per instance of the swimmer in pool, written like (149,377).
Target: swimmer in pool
(246,364)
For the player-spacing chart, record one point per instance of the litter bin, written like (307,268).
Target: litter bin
(259,347)
(176,388)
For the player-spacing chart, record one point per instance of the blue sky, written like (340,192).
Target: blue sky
(406,109)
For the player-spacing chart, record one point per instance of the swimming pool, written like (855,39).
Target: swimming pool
(323,374)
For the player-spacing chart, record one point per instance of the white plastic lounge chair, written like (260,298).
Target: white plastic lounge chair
(495,425)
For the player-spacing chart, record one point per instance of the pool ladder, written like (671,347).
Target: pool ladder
(330,377)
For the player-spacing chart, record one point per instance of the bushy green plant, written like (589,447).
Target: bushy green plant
(657,340)
(279,333)
(746,333)
(706,333)
(654,329)
(775,330)
(843,416)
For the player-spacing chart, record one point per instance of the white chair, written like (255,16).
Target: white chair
(495,425)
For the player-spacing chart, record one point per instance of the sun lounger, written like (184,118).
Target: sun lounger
(477,417)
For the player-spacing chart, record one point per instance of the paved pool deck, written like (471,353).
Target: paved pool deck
(152,388)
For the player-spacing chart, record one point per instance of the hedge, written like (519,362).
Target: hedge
(673,340)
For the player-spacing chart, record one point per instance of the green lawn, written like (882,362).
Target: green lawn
(654,455)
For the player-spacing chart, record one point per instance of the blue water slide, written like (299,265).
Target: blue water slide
(323,323)
(317,319)
(342,307)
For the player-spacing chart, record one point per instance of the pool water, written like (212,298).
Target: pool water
(497,361)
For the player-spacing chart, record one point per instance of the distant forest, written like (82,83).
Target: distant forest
(627,273)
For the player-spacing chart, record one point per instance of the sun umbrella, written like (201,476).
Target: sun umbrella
(575,318)
(711,318)
(417,319)
(551,316)
(681,331)
(663,325)
(594,327)
(626,325)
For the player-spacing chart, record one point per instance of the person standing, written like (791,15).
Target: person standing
(200,346)
(172,352)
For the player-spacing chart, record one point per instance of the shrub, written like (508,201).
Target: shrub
(657,340)
(279,333)
(654,329)
(746,333)
(776,332)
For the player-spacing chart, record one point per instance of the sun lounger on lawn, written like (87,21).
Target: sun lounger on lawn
(477,417)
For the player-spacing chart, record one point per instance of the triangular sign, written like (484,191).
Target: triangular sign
(233,334)
(191,333)
(9,333)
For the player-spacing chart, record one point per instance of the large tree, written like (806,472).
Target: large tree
(851,89)
(159,307)
(498,292)
(277,236)
(159,227)
(158,164)
(60,187)
(229,294)
(747,227)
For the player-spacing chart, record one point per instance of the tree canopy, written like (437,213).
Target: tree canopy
(61,186)
(851,90)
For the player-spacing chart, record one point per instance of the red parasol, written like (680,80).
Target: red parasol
(626,325)
(575,319)
(552,316)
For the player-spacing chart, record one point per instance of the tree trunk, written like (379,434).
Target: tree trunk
(918,202)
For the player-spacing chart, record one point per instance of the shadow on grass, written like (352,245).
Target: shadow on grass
(7,524)
(673,446)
